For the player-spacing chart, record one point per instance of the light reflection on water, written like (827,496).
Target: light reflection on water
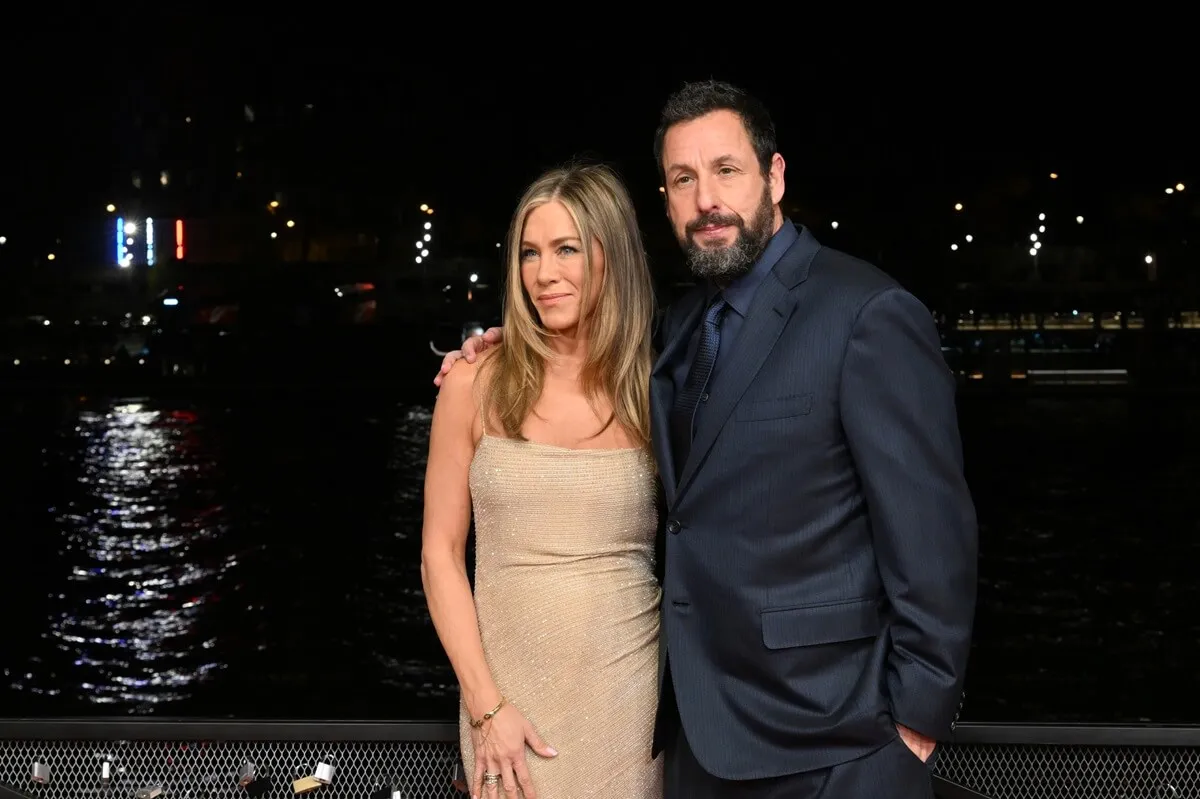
(134,542)
(259,558)
(396,593)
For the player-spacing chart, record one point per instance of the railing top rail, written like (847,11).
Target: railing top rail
(166,729)
(151,729)
(1077,734)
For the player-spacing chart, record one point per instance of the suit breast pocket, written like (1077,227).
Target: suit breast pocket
(763,410)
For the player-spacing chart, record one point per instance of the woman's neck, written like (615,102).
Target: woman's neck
(569,352)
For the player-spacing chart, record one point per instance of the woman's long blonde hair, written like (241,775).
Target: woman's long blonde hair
(618,361)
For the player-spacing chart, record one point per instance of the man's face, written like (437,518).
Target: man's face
(722,207)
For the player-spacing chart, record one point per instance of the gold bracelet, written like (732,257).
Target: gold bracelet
(489,715)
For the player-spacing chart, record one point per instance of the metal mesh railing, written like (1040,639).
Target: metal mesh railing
(1030,771)
(200,770)
(207,761)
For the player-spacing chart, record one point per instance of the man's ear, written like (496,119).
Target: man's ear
(775,175)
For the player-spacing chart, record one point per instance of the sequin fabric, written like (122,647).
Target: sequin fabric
(568,609)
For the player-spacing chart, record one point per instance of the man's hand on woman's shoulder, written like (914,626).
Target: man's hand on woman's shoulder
(472,348)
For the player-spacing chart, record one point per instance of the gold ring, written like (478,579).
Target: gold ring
(490,779)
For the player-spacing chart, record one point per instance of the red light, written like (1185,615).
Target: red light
(179,239)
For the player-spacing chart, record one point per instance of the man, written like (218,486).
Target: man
(820,553)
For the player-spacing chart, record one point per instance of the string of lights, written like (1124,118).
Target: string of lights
(426,237)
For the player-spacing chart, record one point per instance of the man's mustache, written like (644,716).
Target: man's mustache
(712,220)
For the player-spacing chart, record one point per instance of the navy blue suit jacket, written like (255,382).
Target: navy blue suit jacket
(820,553)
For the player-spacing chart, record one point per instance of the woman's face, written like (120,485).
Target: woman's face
(553,266)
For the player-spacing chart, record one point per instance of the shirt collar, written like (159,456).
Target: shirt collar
(741,292)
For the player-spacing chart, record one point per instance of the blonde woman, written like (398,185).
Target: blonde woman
(547,440)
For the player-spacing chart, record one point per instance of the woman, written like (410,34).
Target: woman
(547,439)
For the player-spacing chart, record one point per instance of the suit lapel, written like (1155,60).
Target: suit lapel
(772,307)
(662,389)
(769,312)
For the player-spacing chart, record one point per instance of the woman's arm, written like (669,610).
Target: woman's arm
(444,538)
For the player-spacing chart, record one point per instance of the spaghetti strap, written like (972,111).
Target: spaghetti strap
(482,418)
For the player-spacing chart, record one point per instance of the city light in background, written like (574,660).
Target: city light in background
(426,240)
(121,248)
(1035,241)
(130,249)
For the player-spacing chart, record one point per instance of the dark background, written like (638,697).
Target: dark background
(226,522)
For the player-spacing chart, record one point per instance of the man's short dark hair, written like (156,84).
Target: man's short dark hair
(699,98)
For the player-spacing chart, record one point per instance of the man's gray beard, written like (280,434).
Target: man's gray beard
(723,265)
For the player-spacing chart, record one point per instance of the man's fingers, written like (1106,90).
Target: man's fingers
(471,347)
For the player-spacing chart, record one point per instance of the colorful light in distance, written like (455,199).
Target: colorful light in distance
(149,241)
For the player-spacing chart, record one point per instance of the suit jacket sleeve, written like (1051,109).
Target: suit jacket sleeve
(899,415)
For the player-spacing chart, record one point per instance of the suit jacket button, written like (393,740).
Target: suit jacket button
(673,526)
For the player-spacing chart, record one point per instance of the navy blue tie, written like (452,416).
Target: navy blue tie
(683,414)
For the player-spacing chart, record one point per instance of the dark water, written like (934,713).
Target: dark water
(256,556)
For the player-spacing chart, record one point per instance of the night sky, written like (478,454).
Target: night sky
(893,136)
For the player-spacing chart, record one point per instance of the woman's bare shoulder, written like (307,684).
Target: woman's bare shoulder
(462,385)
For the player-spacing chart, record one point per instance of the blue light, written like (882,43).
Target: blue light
(120,240)
(149,241)
(170,302)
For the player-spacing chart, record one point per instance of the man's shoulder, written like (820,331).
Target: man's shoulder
(841,271)
(854,283)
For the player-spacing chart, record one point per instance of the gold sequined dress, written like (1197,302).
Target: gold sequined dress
(568,608)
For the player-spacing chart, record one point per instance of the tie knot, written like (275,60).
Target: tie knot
(716,311)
